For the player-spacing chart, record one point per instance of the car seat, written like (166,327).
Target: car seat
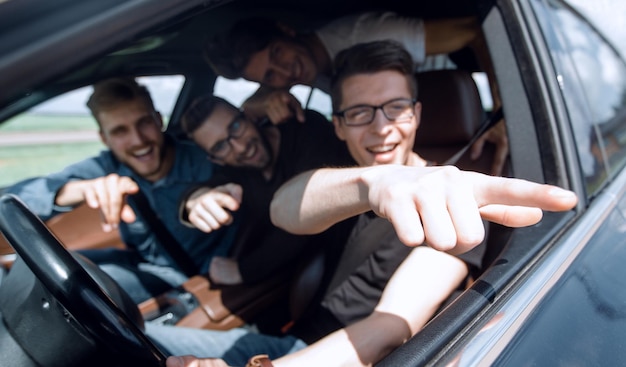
(452,112)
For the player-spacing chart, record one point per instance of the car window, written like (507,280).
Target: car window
(482,84)
(61,131)
(234,91)
(592,78)
(601,14)
(237,91)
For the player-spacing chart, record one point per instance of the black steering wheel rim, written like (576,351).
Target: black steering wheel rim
(72,286)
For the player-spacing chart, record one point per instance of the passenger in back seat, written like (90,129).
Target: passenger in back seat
(363,317)
(256,160)
(139,157)
(278,57)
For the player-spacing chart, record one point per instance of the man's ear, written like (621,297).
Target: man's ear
(288,30)
(102,137)
(338,128)
(159,119)
(418,114)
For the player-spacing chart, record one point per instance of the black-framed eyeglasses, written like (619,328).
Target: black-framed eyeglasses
(235,130)
(396,110)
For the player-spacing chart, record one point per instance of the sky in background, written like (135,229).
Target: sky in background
(609,16)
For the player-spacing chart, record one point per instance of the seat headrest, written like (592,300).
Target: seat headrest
(451,108)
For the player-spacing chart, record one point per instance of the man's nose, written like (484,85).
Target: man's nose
(282,75)
(237,145)
(381,124)
(136,136)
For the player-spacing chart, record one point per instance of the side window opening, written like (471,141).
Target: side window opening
(591,76)
(237,91)
(482,83)
(62,131)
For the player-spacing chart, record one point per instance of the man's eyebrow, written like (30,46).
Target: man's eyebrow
(117,129)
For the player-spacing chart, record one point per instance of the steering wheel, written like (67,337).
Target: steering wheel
(73,287)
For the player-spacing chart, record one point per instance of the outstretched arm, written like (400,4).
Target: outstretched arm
(429,275)
(414,293)
(441,206)
(449,35)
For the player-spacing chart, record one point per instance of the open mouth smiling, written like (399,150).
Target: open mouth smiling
(144,153)
(381,149)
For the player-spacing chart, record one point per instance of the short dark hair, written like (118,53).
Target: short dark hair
(199,110)
(368,58)
(110,93)
(229,53)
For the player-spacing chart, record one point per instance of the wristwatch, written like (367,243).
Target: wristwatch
(260,360)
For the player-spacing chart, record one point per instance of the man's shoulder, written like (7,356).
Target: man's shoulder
(186,147)
(190,152)
(191,162)
(102,163)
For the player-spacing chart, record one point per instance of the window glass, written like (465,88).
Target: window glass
(609,16)
(482,84)
(234,91)
(313,99)
(61,131)
(592,78)
(237,91)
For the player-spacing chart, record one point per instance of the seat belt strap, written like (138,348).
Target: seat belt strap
(164,238)
(486,125)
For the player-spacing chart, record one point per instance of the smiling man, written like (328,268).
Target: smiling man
(256,160)
(140,157)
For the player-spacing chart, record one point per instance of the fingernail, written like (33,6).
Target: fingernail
(562,193)
(106,227)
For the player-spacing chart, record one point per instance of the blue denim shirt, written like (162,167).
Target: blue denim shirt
(191,167)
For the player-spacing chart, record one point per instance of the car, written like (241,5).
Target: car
(549,294)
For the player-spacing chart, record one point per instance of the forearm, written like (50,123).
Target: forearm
(431,276)
(449,35)
(360,344)
(315,200)
(71,194)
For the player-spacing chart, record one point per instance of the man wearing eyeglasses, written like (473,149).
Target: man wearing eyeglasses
(256,160)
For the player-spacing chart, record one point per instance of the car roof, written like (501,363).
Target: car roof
(141,37)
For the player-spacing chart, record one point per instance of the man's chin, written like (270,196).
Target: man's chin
(147,173)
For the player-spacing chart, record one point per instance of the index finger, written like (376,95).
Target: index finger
(113,199)
(517,192)
(294,105)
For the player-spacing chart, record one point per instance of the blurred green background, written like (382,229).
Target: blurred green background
(19,161)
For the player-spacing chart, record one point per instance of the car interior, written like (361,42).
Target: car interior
(455,111)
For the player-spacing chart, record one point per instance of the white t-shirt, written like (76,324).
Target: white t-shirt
(367,27)
(350,30)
